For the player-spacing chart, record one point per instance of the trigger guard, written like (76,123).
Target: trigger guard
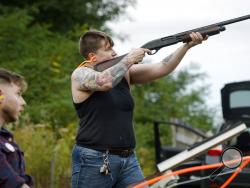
(153,52)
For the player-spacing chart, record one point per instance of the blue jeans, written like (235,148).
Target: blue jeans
(86,165)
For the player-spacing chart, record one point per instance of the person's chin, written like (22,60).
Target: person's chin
(12,120)
(15,117)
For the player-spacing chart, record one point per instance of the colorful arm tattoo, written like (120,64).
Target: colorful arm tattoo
(88,79)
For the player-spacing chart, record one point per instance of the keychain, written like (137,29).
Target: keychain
(105,170)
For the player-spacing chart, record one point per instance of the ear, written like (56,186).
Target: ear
(92,57)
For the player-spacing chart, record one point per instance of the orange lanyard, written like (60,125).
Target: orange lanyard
(87,62)
(246,160)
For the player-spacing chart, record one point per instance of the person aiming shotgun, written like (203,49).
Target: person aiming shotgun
(103,155)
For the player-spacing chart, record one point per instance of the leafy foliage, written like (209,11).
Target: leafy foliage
(64,15)
(39,39)
(46,155)
(179,96)
(45,60)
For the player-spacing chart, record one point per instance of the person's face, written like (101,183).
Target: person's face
(105,52)
(12,104)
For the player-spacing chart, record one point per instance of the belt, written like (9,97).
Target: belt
(122,153)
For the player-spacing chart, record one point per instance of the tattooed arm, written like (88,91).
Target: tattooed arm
(86,79)
(143,73)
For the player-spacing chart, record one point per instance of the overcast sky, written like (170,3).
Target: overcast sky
(224,57)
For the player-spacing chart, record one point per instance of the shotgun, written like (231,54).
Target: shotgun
(184,37)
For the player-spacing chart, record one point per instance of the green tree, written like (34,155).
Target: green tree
(46,61)
(30,46)
(47,58)
(178,95)
(64,15)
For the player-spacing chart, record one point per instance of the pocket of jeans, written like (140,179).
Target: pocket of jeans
(76,169)
(92,159)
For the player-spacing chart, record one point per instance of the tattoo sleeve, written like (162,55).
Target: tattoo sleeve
(88,79)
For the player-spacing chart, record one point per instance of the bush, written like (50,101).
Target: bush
(47,154)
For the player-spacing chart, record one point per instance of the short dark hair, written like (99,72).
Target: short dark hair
(8,77)
(91,40)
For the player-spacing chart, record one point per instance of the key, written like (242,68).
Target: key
(104,169)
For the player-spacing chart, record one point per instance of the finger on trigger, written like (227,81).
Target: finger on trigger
(148,51)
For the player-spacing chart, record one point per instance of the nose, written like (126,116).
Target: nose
(114,53)
(23,102)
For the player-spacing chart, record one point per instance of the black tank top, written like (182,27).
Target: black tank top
(106,119)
